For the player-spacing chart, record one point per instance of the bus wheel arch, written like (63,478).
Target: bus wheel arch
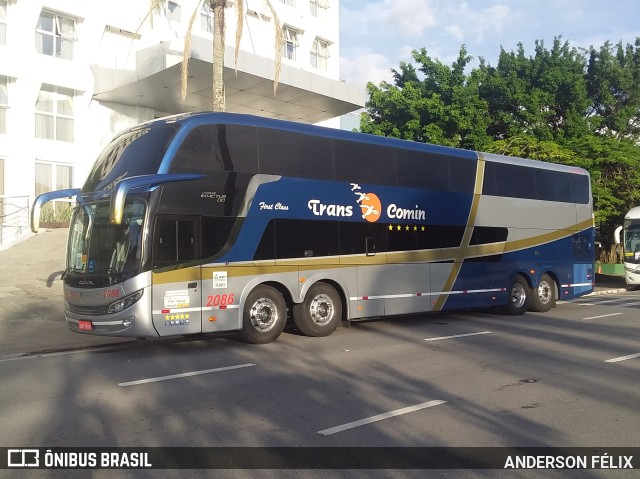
(264,315)
(321,311)
(545,294)
(518,295)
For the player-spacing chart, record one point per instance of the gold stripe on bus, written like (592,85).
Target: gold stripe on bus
(293,265)
(177,275)
(546,237)
(466,239)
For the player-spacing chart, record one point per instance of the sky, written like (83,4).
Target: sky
(376,35)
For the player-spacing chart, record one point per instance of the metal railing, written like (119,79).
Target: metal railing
(14,219)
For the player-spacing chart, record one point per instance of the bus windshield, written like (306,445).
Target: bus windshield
(632,242)
(99,248)
(136,152)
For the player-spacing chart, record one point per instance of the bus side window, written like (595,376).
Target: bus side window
(175,241)
(294,154)
(186,240)
(266,248)
(364,163)
(306,238)
(362,237)
(215,234)
(217,147)
(424,170)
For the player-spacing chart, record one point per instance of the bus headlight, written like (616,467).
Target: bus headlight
(125,302)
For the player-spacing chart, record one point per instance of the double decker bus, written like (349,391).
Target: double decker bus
(209,222)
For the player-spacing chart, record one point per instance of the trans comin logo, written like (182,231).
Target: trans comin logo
(370,208)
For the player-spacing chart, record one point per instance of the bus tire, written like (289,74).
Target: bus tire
(518,293)
(264,315)
(543,298)
(320,312)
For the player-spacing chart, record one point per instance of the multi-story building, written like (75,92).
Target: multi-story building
(75,72)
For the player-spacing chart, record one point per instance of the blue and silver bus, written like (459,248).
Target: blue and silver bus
(209,222)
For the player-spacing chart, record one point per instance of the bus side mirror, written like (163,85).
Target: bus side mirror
(43,199)
(616,235)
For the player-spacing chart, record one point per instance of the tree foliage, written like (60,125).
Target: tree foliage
(443,107)
(561,104)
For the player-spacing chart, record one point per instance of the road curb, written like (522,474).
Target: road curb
(607,291)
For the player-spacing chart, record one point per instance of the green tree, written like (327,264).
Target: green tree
(433,103)
(613,79)
(615,178)
(543,95)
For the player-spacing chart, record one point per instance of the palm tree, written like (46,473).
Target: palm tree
(219,24)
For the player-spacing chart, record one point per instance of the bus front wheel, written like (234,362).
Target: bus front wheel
(518,297)
(320,312)
(543,297)
(264,315)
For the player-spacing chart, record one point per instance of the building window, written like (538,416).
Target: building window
(290,42)
(319,8)
(1,177)
(44,178)
(2,190)
(55,35)
(4,102)
(174,11)
(51,177)
(206,17)
(3,22)
(54,113)
(319,54)
(291,3)
(63,177)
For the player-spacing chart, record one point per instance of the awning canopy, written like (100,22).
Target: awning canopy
(300,96)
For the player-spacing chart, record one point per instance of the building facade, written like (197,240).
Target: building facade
(75,72)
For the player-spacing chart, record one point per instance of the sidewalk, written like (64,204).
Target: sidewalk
(31,301)
(32,306)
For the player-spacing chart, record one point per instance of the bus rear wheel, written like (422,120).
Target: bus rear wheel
(264,315)
(320,312)
(519,293)
(543,297)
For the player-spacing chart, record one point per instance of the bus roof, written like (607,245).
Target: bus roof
(633,214)
(192,120)
(207,118)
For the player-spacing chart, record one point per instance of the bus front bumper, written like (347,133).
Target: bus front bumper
(134,321)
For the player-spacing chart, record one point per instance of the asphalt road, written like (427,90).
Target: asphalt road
(564,378)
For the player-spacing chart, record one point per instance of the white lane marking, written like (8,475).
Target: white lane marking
(623,358)
(603,316)
(380,417)
(183,375)
(457,336)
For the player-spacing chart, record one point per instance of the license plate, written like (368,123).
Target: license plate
(85,325)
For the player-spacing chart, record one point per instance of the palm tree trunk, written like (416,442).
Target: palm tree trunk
(217,6)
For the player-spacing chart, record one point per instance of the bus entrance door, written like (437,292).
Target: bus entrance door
(177,306)
(177,292)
